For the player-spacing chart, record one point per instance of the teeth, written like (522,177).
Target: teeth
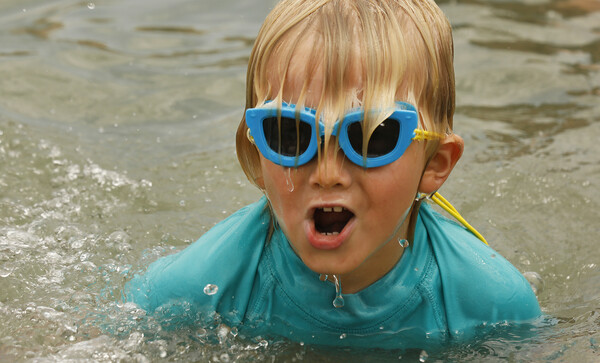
(331,233)
(336,209)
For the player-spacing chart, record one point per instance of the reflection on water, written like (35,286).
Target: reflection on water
(116,147)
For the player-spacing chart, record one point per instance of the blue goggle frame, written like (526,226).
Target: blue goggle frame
(404,114)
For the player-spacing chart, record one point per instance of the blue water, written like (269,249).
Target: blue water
(117,123)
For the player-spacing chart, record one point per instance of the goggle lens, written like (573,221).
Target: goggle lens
(292,139)
(382,142)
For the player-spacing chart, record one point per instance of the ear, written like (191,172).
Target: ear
(441,164)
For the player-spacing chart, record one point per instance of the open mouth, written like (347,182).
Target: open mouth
(331,220)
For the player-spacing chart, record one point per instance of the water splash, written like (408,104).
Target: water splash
(403,243)
(211,289)
(338,302)
(535,280)
(288,180)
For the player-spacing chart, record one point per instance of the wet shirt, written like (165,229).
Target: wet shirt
(446,285)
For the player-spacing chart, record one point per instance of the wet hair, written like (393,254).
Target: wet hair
(395,50)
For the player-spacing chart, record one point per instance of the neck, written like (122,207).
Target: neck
(387,256)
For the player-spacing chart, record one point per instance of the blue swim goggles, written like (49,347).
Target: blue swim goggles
(287,136)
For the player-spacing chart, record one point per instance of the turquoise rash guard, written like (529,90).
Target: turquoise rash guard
(445,286)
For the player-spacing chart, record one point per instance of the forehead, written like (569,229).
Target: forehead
(302,73)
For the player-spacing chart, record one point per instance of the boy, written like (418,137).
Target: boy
(348,124)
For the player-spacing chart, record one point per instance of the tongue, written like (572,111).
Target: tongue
(331,221)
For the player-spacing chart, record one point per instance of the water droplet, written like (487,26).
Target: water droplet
(343,336)
(6,271)
(222,333)
(263,343)
(338,302)
(403,243)
(421,196)
(423,356)
(91,6)
(211,289)
(323,277)
(535,280)
(288,180)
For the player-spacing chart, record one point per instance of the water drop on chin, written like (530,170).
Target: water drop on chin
(403,243)
(211,289)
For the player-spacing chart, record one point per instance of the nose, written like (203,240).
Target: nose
(332,169)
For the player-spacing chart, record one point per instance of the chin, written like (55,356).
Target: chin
(328,269)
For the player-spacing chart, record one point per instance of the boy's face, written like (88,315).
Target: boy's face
(373,202)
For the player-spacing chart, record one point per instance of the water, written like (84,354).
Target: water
(338,301)
(211,289)
(117,122)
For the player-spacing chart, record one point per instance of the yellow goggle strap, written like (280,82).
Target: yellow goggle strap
(421,135)
(445,205)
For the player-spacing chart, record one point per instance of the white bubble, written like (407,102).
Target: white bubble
(211,289)
(91,6)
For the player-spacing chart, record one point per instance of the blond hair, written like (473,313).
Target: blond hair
(402,49)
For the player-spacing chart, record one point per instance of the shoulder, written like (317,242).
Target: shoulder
(212,260)
(479,285)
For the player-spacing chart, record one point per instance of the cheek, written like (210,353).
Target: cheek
(397,184)
(279,185)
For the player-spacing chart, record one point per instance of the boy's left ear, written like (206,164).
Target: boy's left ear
(441,164)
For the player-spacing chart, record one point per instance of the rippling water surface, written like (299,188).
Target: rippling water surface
(117,122)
